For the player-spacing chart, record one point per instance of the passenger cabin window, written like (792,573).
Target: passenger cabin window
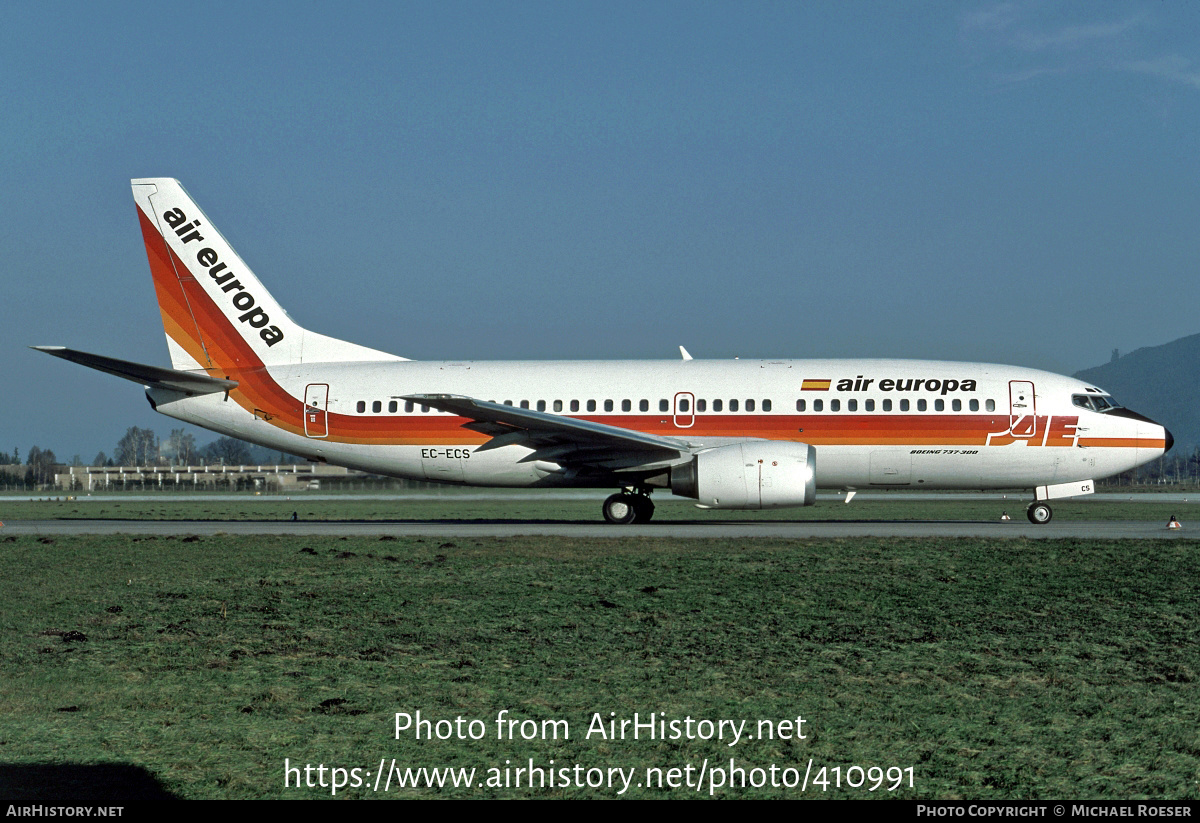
(362,406)
(684,405)
(626,405)
(718,405)
(922,405)
(608,405)
(766,406)
(818,405)
(991,405)
(541,406)
(801,405)
(591,405)
(733,405)
(887,405)
(391,407)
(524,404)
(664,405)
(851,405)
(869,405)
(558,405)
(835,405)
(903,405)
(939,405)
(749,405)
(956,405)
(644,405)
(408,406)
(701,405)
(574,405)
(974,405)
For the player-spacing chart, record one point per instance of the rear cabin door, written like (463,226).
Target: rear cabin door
(316,400)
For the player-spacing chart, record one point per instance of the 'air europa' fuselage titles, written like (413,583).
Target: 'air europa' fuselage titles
(242,300)
(860,383)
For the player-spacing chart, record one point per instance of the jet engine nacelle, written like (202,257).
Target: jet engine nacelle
(758,474)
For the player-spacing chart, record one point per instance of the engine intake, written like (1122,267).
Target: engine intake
(759,474)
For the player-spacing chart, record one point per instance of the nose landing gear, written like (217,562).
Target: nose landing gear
(629,506)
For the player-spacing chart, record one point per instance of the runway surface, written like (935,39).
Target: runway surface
(578,494)
(674,530)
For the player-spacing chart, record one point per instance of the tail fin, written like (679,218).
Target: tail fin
(216,313)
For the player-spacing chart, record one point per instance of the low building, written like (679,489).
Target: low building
(291,477)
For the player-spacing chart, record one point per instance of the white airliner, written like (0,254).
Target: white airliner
(741,434)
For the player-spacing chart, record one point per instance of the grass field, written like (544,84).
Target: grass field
(474,507)
(994,669)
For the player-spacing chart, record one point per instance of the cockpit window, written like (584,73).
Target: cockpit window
(1095,402)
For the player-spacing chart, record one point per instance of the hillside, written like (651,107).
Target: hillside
(1161,382)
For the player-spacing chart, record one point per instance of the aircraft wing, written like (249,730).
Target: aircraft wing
(584,440)
(181,381)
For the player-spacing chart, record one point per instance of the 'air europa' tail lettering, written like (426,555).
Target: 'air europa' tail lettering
(217,314)
(243,301)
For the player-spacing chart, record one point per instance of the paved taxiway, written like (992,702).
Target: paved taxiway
(578,494)
(1140,530)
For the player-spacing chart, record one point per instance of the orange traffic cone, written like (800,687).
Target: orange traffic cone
(1005,516)
(1173,523)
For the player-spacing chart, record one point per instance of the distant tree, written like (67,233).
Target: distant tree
(100,459)
(180,447)
(227,450)
(1116,355)
(30,475)
(41,467)
(139,447)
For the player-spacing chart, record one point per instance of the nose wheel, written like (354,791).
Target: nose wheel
(1038,513)
(628,507)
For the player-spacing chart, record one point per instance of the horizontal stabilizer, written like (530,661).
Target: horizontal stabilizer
(181,381)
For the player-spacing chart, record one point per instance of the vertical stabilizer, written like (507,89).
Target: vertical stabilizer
(216,313)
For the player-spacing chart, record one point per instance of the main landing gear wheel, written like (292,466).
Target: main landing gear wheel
(1038,513)
(624,508)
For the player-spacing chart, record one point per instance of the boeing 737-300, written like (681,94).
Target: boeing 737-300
(740,434)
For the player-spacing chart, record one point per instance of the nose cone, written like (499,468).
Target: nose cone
(1147,429)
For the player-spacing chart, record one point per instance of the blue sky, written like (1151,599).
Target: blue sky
(1010,182)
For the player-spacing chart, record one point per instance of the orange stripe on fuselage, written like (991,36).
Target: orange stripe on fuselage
(1123,443)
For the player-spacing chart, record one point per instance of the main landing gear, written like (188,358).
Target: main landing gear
(629,506)
(1038,513)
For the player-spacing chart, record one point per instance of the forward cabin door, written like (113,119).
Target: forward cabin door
(316,400)
(1022,409)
